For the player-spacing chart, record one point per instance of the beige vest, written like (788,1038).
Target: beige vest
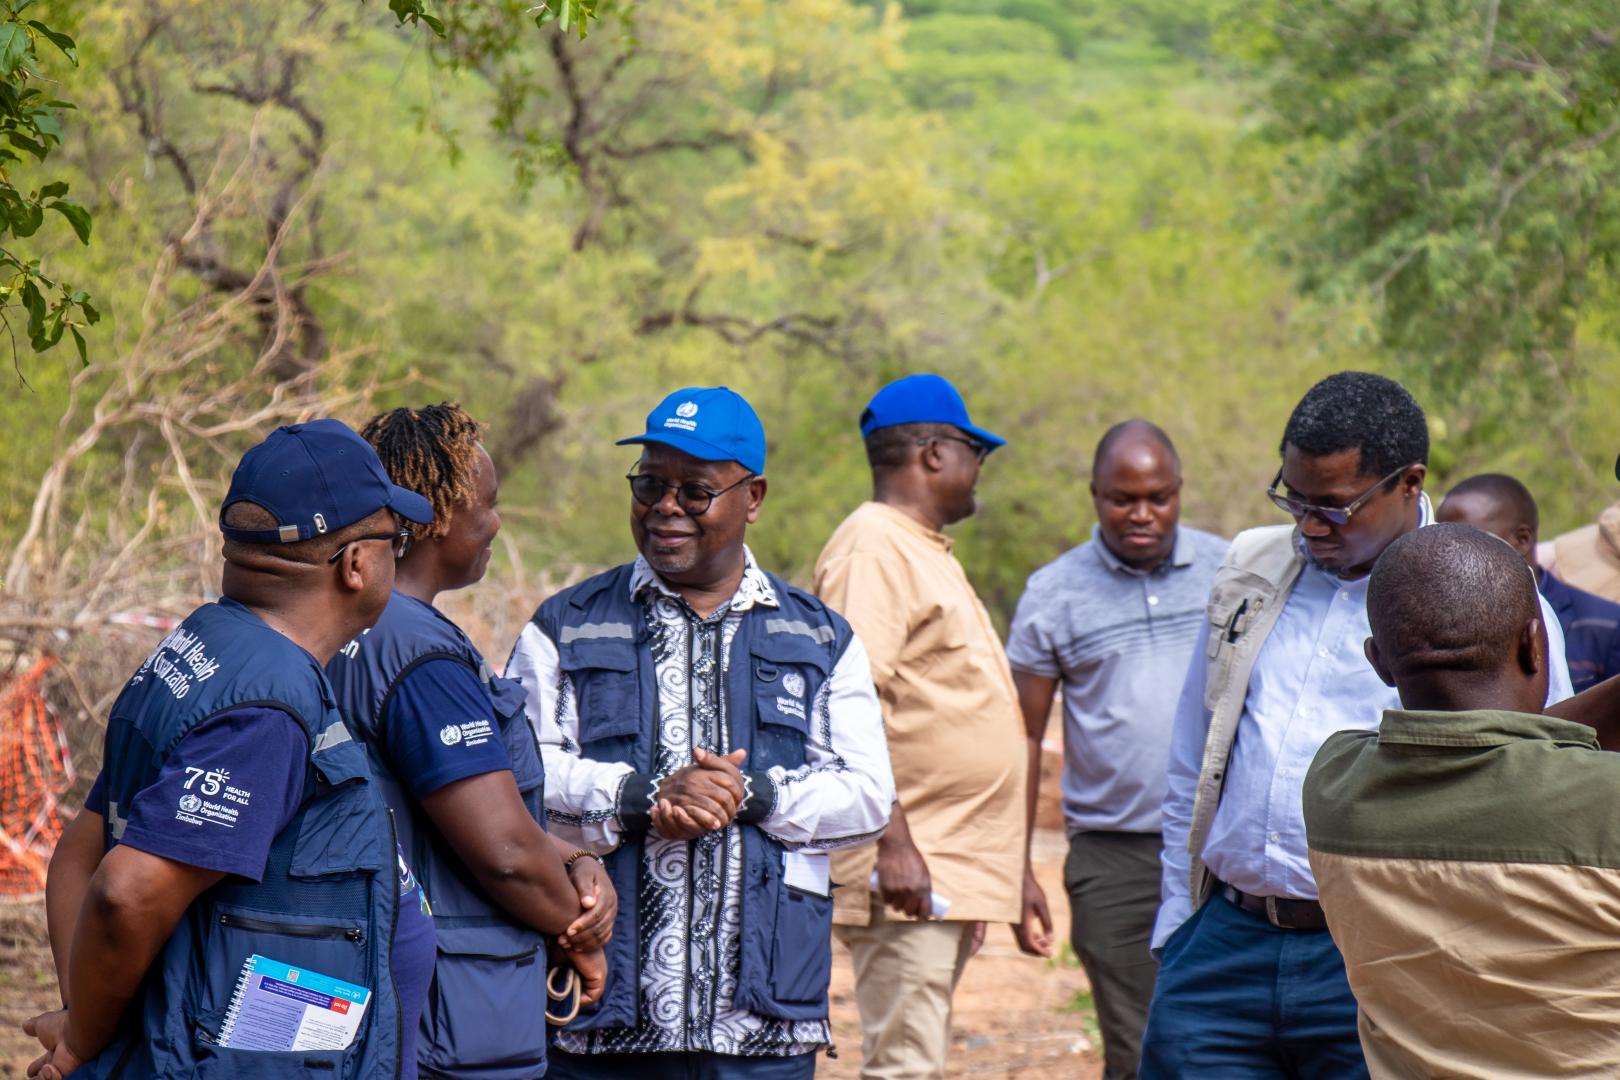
(1250,589)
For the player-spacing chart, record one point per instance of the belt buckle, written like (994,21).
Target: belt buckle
(1271,914)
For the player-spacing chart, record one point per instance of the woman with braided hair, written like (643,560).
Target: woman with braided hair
(460,770)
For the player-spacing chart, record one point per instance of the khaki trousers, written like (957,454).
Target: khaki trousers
(905,974)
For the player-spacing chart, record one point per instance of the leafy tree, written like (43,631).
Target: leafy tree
(1456,162)
(30,124)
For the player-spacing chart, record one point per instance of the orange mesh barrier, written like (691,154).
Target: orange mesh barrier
(36,770)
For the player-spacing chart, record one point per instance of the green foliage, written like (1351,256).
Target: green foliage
(1055,204)
(1458,161)
(30,124)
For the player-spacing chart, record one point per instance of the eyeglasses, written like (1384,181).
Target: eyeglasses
(980,450)
(401,540)
(692,497)
(1333,515)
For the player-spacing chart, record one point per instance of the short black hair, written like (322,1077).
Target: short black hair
(1357,410)
(890,447)
(1145,428)
(1449,597)
(1507,492)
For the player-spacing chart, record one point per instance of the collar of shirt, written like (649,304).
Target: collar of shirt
(755,587)
(1180,556)
(1479,728)
(911,524)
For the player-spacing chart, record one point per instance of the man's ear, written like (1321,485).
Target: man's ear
(1370,648)
(352,569)
(1524,541)
(1531,653)
(933,455)
(756,497)
(1412,482)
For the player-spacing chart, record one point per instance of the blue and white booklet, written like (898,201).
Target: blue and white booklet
(280,1007)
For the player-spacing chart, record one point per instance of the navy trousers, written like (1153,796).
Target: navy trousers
(677,1066)
(1240,999)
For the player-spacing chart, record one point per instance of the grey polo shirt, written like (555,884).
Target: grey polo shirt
(1120,642)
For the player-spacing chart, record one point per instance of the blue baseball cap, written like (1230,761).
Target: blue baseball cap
(315,478)
(712,423)
(922,399)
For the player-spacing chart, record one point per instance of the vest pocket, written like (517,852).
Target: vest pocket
(485,1015)
(608,686)
(343,828)
(335,947)
(788,672)
(801,955)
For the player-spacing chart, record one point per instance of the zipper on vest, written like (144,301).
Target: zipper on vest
(270,926)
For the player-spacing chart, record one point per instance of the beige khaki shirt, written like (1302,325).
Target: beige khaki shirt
(1469,867)
(956,738)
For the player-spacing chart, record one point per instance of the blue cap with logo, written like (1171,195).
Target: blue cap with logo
(712,423)
(922,399)
(315,478)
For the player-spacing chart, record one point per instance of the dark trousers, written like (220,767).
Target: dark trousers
(1240,999)
(1113,883)
(677,1066)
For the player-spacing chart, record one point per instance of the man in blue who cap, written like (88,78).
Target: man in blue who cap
(917,901)
(234,822)
(711,732)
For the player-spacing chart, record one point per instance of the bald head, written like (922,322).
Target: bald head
(1498,504)
(1456,622)
(1138,439)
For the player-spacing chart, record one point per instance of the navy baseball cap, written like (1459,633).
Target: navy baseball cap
(315,478)
(922,399)
(712,423)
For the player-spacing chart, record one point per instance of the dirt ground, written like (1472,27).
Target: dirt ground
(1016,1016)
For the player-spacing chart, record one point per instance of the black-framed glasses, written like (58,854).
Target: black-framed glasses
(980,450)
(1333,515)
(401,539)
(693,498)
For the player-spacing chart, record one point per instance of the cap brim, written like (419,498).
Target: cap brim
(990,440)
(686,444)
(409,505)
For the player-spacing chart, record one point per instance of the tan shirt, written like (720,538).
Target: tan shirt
(956,738)
(1470,871)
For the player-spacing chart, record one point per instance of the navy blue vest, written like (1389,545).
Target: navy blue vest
(485,1016)
(330,891)
(779,659)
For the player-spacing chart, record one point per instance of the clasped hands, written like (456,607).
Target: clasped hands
(700,798)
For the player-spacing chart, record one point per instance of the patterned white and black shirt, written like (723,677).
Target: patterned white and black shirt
(691,891)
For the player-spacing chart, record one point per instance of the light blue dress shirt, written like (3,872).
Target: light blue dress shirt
(1310,680)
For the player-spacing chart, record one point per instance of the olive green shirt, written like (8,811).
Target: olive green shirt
(1469,866)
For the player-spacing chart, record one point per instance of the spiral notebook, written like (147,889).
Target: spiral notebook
(280,1007)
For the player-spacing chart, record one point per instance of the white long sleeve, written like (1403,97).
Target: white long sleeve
(582,796)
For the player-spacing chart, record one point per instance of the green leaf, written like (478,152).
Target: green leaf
(19,139)
(59,39)
(47,126)
(15,45)
(54,190)
(91,314)
(26,219)
(78,343)
(77,216)
(35,303)
(437,25)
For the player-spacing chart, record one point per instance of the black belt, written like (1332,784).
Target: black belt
(1279,911)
